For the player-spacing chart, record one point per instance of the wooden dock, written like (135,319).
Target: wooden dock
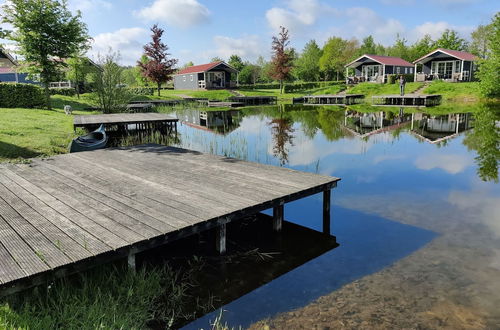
(75,211)
(409,100)
(255,100)
(337,99)
(122,121)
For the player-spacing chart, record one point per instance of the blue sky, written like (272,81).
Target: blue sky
(197,30)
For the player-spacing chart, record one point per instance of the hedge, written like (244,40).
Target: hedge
(14,95)
(392,78)
(63,91)
(142,90)
(290,88)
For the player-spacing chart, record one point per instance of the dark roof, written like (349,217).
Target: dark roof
(465,56)
(12,59)
(386,60)
(203,67)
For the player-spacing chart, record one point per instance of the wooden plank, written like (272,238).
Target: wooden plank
(9,269)
(60,239)
(79,235)
(101,232)
(121,118)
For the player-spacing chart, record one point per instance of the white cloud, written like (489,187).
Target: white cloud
(247,47)
(452,164)
(129,42)
(181,13)
(435,29)
(297,15)
(383,158)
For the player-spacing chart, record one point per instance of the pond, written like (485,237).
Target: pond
(417,213)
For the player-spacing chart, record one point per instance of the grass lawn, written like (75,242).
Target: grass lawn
(219,94)
(287,97)
(454,91)
(370,89)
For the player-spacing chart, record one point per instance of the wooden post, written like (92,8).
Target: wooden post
(220,239)
(278,213)
(131,261)
(326,211)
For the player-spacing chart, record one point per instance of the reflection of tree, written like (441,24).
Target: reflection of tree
(330,124)
(282,131)
(485,140)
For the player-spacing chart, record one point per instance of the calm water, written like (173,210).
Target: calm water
(417,213)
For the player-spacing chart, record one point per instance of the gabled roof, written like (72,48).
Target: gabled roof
(465,56)
(204,67)
(386,60)
(13,60)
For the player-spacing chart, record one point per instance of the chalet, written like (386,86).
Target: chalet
(8,69)
(206,76)
(446,64)
(375,68)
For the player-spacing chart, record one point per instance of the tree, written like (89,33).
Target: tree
(3,33)
(249,74)
(368,46)
(281,62)
(236,62)
(188,64)
(399,49)
(46,33)
(79,67)
(489,68)
(307,65)
(110,94)
(450,39)
(336,53)
(421,47)
(215,59)
(479,44)
(159,68)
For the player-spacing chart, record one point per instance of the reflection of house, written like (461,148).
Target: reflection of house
(435,129)
(9,69)
(450,65)
(364,124)
(375,68)
(206,76)
(221,122)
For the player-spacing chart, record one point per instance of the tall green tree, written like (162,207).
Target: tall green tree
(215,59)
(282,60)
(236,62)
(450,39)
(46,33)
(368,46)
(400,49)
(479,45)
(249,74)
(489,68)
(337,52)
(307,64)
(421,47)
(79,67)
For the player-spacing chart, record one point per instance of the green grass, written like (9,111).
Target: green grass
(287,97)
(454,91)
(26,133)
(110,297)
(220,94)
(370,89)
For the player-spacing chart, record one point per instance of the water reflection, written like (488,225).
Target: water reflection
(407,175)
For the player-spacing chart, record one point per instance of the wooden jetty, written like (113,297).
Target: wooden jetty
(224,104)
(75,211)
(337,99)
(409,100)
(255,100)
(122,121)
(158,102)
(139,107)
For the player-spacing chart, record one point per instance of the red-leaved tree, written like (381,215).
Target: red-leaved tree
(159,68)
(282,61)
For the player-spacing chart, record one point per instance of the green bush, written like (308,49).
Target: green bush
(393,78)
(13,95)
(63,91)
(290,88)
(261,86)
(141,90)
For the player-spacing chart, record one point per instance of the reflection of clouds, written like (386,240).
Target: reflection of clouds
(308,151)
(452,164)
(252,125)
(478,205)
(382,158)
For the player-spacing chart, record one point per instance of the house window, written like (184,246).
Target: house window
(406,70)
(192,78)
(457,66)
(411,70)
(183,78)
(398,70)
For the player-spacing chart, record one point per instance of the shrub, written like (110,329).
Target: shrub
(290,88)
(393,78)
(63,91)
(142,90)
(13,95)
(261,86)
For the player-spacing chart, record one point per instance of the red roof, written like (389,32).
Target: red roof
(465,56)
(386,60)
(6,70)
(199,68)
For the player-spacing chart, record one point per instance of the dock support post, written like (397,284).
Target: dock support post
(278,212)
(326,211)
(131,261)
(220,239)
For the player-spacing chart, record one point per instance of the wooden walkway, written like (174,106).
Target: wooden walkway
(408,100)
(122,121)
(335,99)
(75,211)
